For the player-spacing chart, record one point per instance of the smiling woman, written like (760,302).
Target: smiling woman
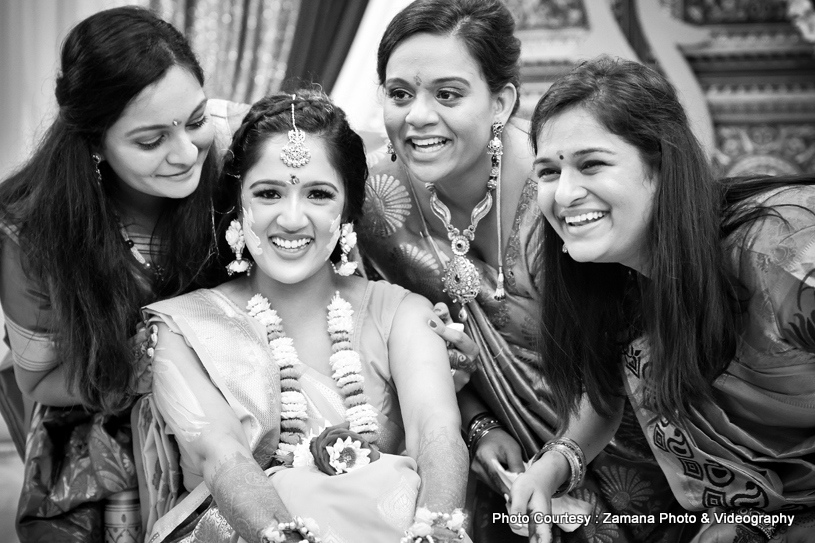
(113,211)
(690,297)
(266,361)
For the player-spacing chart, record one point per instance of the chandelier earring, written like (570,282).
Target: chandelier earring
(348,240)
(97,159)
(391,151)
(237,241)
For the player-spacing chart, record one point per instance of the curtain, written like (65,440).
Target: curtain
(243,45)
(325,31)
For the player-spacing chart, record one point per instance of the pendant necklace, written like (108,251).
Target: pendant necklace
(461,279)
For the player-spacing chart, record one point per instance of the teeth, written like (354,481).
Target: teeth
(428,142)
(291,243)
(585,217)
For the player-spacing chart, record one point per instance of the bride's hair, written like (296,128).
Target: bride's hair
(314,114)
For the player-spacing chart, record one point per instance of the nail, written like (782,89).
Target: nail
(432,324)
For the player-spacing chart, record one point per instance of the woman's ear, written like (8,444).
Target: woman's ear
(504,102)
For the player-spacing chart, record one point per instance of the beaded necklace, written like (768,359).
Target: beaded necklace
(346,367)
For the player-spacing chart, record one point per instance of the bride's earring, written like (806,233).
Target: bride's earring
(391,151)
(348,240)
(236,241)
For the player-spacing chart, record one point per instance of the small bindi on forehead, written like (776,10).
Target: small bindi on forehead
(417,80)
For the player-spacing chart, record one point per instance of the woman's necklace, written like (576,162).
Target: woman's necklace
(461,279)
(156,269)
(346,367)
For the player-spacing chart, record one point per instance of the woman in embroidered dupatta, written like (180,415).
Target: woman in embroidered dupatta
(296,171)
(106,216)
(439,109)
(707,289)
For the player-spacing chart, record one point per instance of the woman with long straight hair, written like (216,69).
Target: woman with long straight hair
(691,299)
(112,211)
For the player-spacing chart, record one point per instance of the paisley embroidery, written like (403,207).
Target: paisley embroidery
(397,506)
(387,205)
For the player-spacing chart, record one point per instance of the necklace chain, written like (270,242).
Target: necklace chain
(156,269)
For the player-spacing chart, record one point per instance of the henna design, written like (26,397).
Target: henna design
(443,465)
(245,496)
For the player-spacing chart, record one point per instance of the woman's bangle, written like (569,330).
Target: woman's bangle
(570,450)
(479,427)
(755,519)
(305,527)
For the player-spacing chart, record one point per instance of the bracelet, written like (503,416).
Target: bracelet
(305,527)
(479,427)
(574,456)
(425,520)
(753,518)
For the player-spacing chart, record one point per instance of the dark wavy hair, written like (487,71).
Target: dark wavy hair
(68,226)
(687,306)
(314,114)
(485,26)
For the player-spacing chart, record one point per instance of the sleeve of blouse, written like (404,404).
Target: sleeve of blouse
(27,311)
(785,263)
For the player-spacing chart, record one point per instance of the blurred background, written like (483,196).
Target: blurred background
(745,70)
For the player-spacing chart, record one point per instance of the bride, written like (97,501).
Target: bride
(246,374)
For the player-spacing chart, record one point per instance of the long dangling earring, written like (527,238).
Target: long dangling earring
(495,148)
(391,151)
(236,241)
(348,240)
(97,159)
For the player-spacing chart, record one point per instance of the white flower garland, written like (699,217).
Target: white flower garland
(346,366)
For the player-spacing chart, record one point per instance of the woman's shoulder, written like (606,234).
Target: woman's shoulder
(199,302)
(788,213)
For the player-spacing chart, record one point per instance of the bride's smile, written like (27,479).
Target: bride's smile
(291,214)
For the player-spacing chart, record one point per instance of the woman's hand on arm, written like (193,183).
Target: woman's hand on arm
(206,427)
(532,491)
(462,351)
(418,362)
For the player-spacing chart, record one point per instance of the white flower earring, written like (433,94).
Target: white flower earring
(236,241)
(348,240)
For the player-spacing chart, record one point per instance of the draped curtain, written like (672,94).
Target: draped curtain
(325,32)
(243,45)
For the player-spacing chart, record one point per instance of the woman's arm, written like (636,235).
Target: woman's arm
(533,489)
(421,372)
(207,429)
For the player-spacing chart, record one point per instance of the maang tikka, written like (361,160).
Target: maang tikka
(295,153)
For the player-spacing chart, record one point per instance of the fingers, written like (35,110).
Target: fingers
(460,379)
(443,312)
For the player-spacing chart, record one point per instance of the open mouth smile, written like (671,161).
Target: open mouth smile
(291,244)
(584,218)
(427,145)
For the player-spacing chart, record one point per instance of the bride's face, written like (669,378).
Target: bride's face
(291,216)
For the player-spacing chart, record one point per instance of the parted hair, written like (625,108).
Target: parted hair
(485,26)
(314,114)
(67,224)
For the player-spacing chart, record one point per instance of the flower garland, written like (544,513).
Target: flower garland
(346,366)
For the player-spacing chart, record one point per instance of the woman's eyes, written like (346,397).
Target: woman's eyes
(321,194)
(148,145)
(398,95)
(448,94)
(589,167)
(267,194)
(152,144)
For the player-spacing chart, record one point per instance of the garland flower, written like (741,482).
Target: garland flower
(426,522)
(346,366)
